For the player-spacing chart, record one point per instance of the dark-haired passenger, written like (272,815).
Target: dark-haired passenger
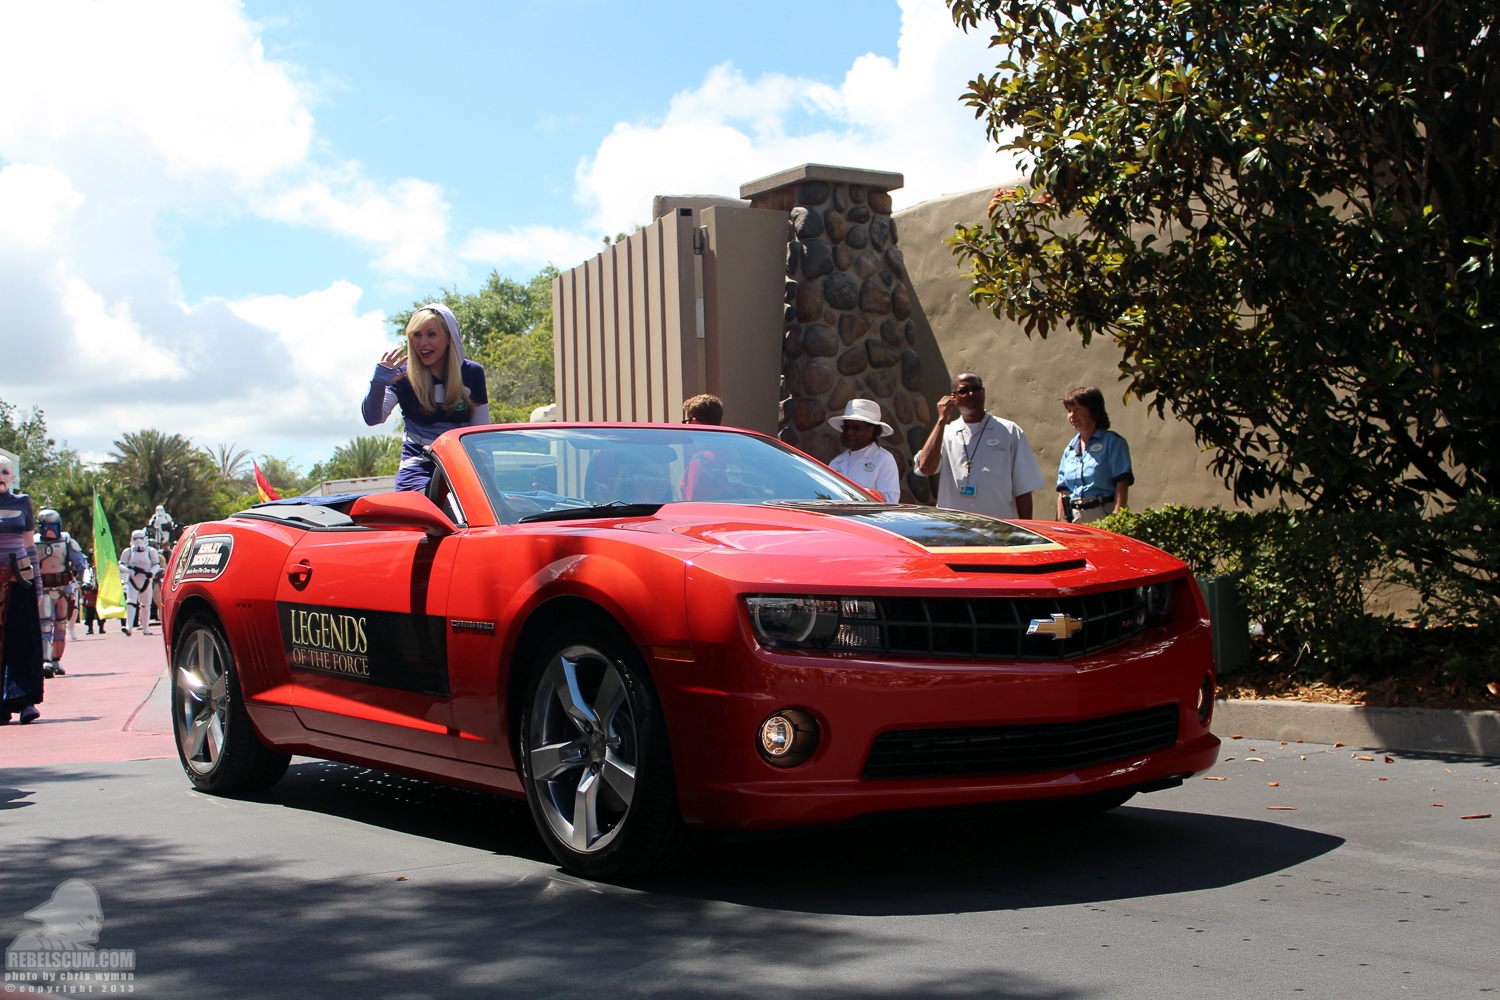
(703,478)
(1094,476)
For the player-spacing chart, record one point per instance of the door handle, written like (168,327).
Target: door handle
(300,574)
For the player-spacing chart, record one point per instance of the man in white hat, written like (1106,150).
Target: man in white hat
(862,460)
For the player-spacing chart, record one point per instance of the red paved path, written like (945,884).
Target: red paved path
(99,711)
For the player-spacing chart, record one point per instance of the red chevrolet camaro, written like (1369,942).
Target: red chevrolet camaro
(647,629)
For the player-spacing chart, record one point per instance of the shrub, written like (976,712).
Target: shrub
(1305,577)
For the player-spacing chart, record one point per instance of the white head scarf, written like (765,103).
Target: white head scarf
(451,322)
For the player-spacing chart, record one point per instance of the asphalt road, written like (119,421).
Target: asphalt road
(344,882)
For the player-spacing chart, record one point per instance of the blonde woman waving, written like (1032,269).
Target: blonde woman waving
(435,386)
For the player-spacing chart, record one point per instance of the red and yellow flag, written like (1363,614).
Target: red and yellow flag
(263,485)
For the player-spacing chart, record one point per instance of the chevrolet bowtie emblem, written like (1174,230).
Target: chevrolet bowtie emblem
(1059,627)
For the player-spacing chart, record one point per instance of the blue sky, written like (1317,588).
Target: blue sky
(208,208)
(499,102)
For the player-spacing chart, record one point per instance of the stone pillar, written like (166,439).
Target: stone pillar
(847,329)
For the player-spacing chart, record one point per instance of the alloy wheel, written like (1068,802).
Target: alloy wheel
(582,749)
(203,701)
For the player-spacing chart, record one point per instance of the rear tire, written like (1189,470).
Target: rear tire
(594,756)
(216,742)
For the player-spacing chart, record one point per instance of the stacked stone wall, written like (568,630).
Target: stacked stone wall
(848,327)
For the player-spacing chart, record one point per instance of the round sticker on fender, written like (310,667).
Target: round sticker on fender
(206,559)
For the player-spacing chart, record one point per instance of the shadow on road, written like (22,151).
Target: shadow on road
(236,927)
(960,862)
(1009,862)
(11,798)
(410,806)
(733,921)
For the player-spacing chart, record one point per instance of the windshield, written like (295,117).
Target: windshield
(535,470)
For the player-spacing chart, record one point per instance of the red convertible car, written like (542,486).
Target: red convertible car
(647,629)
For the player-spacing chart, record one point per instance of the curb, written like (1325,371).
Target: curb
(1424,730)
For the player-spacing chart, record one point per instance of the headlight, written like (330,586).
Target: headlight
(793,621)
(1157,600)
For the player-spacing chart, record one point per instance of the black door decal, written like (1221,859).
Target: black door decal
(407,652)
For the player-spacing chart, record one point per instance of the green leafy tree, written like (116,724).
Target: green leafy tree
(507,327)
(27,437)
(167,469)
(282,473)
(1285,212)
(372,455)
(71,494)
(519,374)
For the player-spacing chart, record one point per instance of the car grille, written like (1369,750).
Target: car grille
(989,628)
(1030,749)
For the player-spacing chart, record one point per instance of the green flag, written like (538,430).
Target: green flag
(111,601)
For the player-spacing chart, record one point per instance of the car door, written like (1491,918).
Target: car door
(361,615)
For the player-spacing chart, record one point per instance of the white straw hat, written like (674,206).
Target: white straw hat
(864,410)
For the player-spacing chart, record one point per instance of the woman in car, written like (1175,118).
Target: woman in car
(435,386)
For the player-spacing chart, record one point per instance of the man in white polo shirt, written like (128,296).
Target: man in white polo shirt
(985,461)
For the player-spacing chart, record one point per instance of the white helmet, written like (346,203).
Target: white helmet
(7,474)
(138,539)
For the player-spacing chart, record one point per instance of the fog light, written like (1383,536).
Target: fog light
(777,734)
(787,738)
(1206,699)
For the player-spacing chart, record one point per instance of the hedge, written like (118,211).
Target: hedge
(1306,578)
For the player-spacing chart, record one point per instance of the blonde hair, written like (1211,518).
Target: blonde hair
(455,393)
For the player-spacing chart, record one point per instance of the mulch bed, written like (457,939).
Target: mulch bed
(1418,685)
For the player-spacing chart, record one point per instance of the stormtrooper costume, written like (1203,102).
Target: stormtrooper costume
(20,588)
(159,532)
(62,564)
(140,568)
(160,528)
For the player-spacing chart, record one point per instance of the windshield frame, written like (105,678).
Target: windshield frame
(504,513)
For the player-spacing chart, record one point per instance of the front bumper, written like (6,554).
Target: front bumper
(714,707)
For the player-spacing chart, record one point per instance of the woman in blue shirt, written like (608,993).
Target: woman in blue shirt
(436,387)
(1094,476)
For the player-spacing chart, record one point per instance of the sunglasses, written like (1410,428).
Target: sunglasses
(968,390)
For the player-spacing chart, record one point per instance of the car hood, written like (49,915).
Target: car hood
(889,547)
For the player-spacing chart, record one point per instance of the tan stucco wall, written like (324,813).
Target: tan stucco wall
(1026,378)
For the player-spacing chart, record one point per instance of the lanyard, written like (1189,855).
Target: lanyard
(970,456)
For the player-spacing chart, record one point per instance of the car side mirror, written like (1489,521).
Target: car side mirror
(401,510)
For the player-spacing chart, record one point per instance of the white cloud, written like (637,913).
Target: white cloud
(188,79)
(142,111)
(903,116)
(529,246)
(407,221)
(174,105)
(109,342)
(333,348)
(173,109)
(33,202)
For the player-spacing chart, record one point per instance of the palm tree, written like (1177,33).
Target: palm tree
(363,456)
(165,469)
(230,463)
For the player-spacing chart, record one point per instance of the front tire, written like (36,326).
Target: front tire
(594,757)
(216,742)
